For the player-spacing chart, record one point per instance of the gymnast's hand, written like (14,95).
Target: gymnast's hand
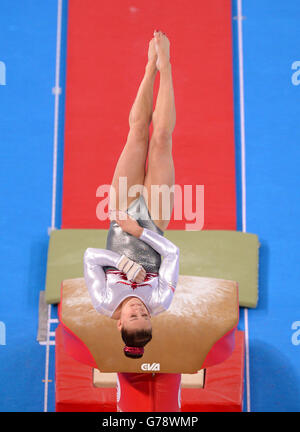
(135,272)
(127,223)
(140,277)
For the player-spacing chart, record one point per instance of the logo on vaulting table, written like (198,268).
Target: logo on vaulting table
(150,367)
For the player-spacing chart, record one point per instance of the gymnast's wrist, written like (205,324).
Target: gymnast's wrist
(139,231)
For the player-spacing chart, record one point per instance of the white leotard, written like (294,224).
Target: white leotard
(108,290)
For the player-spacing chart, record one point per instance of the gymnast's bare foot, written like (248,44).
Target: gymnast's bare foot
(162,46)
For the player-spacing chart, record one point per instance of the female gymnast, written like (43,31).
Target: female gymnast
(128,281)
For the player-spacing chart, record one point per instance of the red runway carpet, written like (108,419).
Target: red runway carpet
(106,56)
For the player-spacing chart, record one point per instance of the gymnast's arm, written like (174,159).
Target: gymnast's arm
(94,275)
(169,268)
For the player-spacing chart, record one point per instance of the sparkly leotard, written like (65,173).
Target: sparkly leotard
(135,249)
(108,286)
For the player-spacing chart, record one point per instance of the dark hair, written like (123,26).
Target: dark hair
(136,338)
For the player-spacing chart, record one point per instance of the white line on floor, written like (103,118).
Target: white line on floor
(56,91)
(47,362)
(243,171)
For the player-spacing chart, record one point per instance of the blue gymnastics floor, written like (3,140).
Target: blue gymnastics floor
(271,39)
(28,51)
(27,76)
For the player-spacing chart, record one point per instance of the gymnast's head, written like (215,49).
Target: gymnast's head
(135,326)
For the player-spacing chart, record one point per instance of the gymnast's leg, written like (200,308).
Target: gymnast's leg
(132,161)
(160,161)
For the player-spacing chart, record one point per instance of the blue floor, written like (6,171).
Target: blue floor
(27,75)
(271,39)
(28,29)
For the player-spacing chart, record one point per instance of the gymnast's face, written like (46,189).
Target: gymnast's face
(134,315)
